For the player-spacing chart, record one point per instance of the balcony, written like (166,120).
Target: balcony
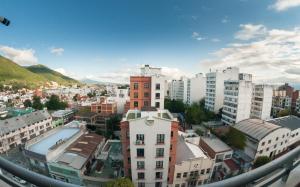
(262,175)
(139,142)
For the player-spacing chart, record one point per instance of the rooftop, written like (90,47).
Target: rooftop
(134,114)
(231,164)
(186,151)
(43,146)
(256,128)
(15,123)
(291,122)
(215,144)
(61,113)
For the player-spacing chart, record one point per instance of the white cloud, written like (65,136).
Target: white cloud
(61,70)
(225,20)
(215,40)
(273,57)
(250,31)
(282,5)
(57,51)
(22,57)
(197,36)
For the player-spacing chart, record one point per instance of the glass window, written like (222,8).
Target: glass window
(157,86)
(158,175)
(140,164)
(184,174)
(146,103)
(146,94)
(158,184)
(159,152)
(157,95)
(140,152)
(136,104)
(207,170)
(141,175)
(178,175)
(136,95)
(141,184)
(160,138)
(202,171)
(157,104)
(146,85)
(159,164)
(135,86)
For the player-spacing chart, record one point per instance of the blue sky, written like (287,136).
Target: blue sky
(108,40)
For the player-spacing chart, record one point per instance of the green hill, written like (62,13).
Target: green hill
(32,76)
(51,75)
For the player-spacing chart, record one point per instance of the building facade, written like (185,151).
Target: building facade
(237,99)
(149,141)
(215,87)
(261,102)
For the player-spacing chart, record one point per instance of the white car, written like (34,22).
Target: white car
(21,181)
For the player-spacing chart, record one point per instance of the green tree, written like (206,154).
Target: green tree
(120,182)
(27,103)
(1,87)
(103,93)
(36,104)
(75,97)
(284,112)
(235,138)
(196,113)
(54,103)
(174,106)
(112,124)
(91,94)
(260,161)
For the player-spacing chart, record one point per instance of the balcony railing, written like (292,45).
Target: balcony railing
(285,163)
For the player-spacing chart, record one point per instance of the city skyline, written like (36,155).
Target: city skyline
(83,40)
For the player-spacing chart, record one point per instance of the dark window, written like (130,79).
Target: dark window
(160,138)
(141,184)
(159,152)
(135,86)
(146,94)
(146,103)
(158,184)
(207,170)
(158,175)
(157,104)
(157,96)
(136,95)
(184,174)
(136,104)
(140,165)
(178,175)
(202,171)
(141,175)
(140,152)
(157,86)
(146,85)
(159,164)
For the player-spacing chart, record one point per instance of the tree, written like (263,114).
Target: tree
(284,112)
(175,106)
(235,138)
(260,161)
(1,87)
(112,124)
(54,103)
(103,93)
(197,113)
(36,104)
(75,97)
(120,182)
(91,94)
(27,103)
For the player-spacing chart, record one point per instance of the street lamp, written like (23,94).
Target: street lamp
(4,21)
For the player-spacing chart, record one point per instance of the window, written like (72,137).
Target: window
(269,141)
(140,165)
(157,95)
(141,175)
(146,94)
(178,175)
(141,184)
(202,171)
(157,104)
(207,170)
(158,184)
(135,86)
(140,139)
(159,152)
(263,143)
(136,104)
(140,152)
(191,174)
(267,149)
(159,164)
(275,146)
(228,156)
(146,85)
(135,95)
(146,103)
(171,133)
(177,185)
(160,138)
(158,175)
(157,86)
(281,143)
(261,151)
(277,138)
(184,174)
(183,185)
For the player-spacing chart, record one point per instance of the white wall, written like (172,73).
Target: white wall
(156,79)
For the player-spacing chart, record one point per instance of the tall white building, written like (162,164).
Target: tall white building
(215,87)
(188,90)
(149,141)
(237,99)
(261,101)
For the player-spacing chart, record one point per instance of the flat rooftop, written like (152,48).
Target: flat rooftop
(215,143)
(186,151)
(43,146)
(291,122)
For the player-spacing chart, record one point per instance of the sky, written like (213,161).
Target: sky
(108,40)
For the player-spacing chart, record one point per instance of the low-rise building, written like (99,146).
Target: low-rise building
(193,166)
(64,115)
(263,138)
(77,159)
(17,130)
(292,123)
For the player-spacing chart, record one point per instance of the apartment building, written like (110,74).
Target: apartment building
(17,130)
(215,87)
(149,141)
(263,138)
(193,166)
(261,101)
(176,90)
(106,106)
(281,100)
(148,89)
(237,99)
(188,90)
(121,96)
